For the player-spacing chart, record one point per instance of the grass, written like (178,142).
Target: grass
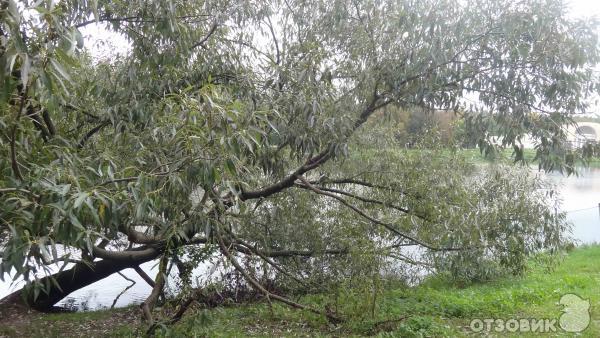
(435,308)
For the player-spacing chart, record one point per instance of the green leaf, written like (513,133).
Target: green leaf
(81,197)
(230,167)
(25,69)
(79,38)
(65,189)
(75,222)
(59,68)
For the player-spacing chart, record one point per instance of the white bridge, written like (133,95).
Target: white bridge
(577,135)
(583,133)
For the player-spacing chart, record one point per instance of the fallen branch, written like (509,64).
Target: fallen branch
(184,306)
(255,284)
(266,259)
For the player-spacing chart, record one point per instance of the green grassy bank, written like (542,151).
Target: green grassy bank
(435,308)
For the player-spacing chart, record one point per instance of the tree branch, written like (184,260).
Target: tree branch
(38,123)
(376,221)
(122,292)
(91,133)
(288,181)
(130,19)
(25,191)
(49,123)
(200,43)
(278,55)
(265,258)
(139,237)
(315,161)
(366,200)
(148,305)
(264,291)
(131,255)
(144,275)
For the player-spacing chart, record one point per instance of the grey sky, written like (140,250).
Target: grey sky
(584,8)
(104,43)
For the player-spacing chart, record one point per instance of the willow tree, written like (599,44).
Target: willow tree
(232,126)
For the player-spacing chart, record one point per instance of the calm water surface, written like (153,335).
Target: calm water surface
(580,195)
(581,200)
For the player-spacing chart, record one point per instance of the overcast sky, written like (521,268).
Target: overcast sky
(585,8)
(105,44)
(100,42)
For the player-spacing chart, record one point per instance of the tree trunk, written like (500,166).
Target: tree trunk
(70,280)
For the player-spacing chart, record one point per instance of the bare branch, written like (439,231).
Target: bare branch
(184,306)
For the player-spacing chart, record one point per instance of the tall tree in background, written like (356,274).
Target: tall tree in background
(227,127)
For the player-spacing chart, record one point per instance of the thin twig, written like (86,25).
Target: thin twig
(122,292)
(25,191)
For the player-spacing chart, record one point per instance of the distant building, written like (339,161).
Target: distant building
(584,132)
(577,136)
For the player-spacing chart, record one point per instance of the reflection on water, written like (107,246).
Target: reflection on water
(580,195)
(103,293)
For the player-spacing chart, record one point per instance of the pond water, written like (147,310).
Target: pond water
(581,201)
(580,196)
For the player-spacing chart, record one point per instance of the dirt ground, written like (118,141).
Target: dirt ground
(18,321)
